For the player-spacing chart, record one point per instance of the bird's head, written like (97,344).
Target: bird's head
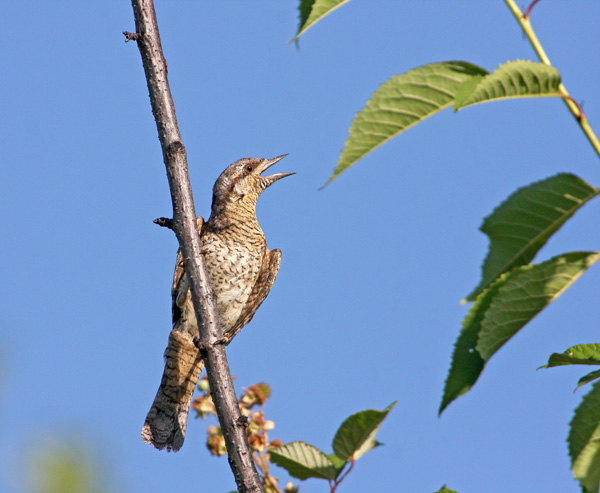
(240,185)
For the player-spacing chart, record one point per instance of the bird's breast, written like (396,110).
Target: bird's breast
(233,265)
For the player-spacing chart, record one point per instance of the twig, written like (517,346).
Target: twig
(131,36)
(184,226)
(581,115)
(574,108)
(334,485)
(164,222)
(529,9)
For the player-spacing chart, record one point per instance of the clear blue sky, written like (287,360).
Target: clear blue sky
(365,309)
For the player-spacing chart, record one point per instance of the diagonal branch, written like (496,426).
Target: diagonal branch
(575,109)
(184,226)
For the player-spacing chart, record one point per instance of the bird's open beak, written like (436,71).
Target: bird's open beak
(266,164)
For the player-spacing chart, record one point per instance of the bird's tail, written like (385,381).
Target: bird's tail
(166,422)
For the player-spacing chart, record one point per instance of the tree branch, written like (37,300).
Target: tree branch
(575,109)
(184,226)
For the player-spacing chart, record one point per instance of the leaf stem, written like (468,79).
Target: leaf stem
(574,108)
(334,485)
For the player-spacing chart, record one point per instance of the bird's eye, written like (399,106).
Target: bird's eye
(249,168)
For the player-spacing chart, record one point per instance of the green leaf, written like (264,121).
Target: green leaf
(355,436)
(338,464)
(522,224)
(303,461)
(400,103)
(465,88)
(590,377)
(312,11)
(467,364)
(517,79)
(584,441)
(502,309)
(304,9)
(582,354)
(527,290)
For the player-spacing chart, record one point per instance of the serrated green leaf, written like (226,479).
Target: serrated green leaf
(355,436)
(465,88)
(590,377)
(304,8)
(581,354)
(502,309)
(312,11)
(303,461)
(584,441)
(467,364)
(400,103)
(524,222)
(527,290)
(517,79)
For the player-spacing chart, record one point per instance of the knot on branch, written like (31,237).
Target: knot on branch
(164,222)
(132,36)
(202,347)
(243,421)
(176,147)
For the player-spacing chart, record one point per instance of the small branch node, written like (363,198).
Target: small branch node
(528,11)
(132,36)
(581,115)
(176,147)
(243,421)
(222,341)
(202,347)
(164,222)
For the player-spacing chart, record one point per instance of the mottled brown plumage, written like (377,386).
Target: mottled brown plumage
(241,270)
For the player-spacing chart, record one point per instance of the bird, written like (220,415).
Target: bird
(241,271)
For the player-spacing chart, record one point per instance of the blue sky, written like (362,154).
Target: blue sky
(365,309)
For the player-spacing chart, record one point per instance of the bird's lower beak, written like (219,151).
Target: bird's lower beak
(269,180)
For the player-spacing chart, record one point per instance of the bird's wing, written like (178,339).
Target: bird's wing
(264,283)
(180,286)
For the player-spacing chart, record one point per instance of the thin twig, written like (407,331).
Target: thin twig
(529,9)
(131,36)
(579,108)
(164,222)
(343,476)
(184,226)
(574,108)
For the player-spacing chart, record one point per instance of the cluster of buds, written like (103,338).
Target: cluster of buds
(255,395)
(257,432)
(215,441)
(258,426)
(203,404)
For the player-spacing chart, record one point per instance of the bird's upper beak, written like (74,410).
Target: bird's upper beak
(267,181)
